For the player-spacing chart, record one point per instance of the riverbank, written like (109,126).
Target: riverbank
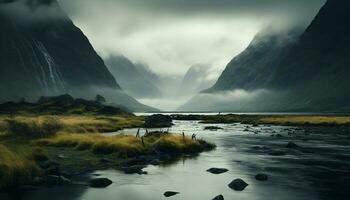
(283,120)
(35,150)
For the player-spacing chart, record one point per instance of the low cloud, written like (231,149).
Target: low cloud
(29,11)
(172,35)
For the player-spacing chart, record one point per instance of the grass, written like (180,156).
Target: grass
(127,146)
(307,120)
(49,125)
(27,140)
(285,120)
(15,169)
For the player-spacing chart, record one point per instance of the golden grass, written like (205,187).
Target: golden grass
(15,169)
(75,124)
(305,120)
(127,145)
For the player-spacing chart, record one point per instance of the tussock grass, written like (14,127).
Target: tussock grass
(307,120)
(31,128)
(15,169)
(127,145)
(43,126)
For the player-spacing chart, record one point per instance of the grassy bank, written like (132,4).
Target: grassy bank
(16,169)
(127,146)
(284,120)
(22,125)
(32,146)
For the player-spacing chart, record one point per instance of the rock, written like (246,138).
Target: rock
(158,121)
(261,177)
(277,153)
(133,169)
(220,197)
(170,193)
(238,185)
(142,173)
(292,145)
(100,182)
(217,170)
(212,128)
(279,135)
(53,180)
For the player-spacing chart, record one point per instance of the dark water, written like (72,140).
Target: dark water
(318,169)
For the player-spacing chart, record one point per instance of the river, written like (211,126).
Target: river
(318,169)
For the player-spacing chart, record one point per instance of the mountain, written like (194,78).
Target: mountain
(318,65)
(307,74)
(196,79)
(253,68)
(136,79)
(43,53)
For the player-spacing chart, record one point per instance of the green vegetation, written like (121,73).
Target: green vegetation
(43,126)
(128,145)
(284,120)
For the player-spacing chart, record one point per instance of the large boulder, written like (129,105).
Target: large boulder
(158,121)
(238,184)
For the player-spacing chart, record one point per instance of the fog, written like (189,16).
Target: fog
(172,35)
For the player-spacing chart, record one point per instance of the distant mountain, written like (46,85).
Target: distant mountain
(307,74)
(136,79)
(196,79)
(43,53)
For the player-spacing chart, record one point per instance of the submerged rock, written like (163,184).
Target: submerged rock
(277,153)
(170,193)
(212,128)
(292,145)
(261,177)
(238,184)
(100,182)
(220,197)
(217,170)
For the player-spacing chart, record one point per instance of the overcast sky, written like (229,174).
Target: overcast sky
(172,35)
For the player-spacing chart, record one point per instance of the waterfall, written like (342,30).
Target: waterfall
(55,76)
